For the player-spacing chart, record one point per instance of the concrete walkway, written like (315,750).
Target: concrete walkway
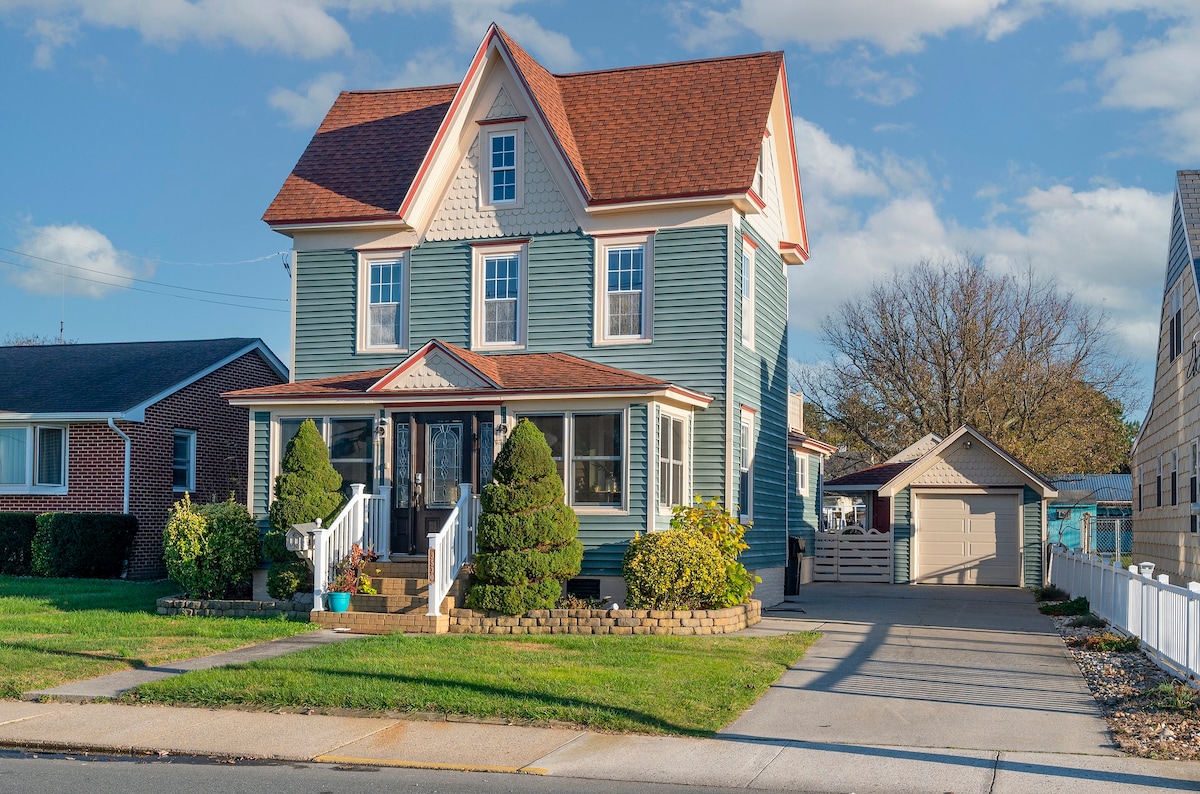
(931,666)
(111,686)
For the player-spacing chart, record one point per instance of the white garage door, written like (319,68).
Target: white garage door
(967,539)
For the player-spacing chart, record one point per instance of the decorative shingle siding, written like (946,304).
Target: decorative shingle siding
(902,536)
(1031,539)
(760,383)
(96,455)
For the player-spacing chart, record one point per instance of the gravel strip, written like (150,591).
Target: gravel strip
(1145,721)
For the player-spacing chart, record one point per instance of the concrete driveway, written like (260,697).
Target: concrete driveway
(926,666)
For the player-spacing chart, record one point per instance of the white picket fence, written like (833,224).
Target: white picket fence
(1165,617)
(853,557)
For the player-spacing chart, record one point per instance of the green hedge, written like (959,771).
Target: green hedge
(16,543)
(82,545)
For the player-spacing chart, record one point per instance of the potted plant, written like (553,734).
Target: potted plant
(349,578)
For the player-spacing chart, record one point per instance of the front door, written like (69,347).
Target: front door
(434,454)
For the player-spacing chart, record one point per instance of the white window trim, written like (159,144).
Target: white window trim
(30,486)
(277,446)
(363,314)
(480,253)
(686,419)
(568,458)
(600,335)
(746,444)
(191,483)
(747,296)
(486,133)
(802,463)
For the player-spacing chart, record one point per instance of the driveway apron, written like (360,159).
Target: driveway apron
(926,666)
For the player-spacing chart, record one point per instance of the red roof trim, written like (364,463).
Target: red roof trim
(492,33)
(748,240)
(340,220)
(506,120)
(504,241)
(756,199)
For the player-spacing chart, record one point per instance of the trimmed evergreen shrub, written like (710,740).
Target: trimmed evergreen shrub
(82,545)
(16,543)
(527,534)
(675,569)
(211,550)
(307,488)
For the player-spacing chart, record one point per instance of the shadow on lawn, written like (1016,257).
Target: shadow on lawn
(101,657)
(647,721)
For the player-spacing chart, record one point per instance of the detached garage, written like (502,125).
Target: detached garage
(960,510)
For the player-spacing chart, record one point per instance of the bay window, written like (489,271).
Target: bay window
(672,461)
(589,450)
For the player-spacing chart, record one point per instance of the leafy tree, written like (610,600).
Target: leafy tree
(34,340)
(210,550)
(306,489)
(527,534)
(950,343)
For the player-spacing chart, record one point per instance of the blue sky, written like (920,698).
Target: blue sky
(142,139)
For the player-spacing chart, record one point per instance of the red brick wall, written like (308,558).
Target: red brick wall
(96,458)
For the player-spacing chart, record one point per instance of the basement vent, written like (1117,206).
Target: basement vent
(584,588)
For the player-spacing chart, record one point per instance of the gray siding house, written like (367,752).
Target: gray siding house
(605,253)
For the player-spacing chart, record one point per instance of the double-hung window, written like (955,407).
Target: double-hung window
(1192,472)
(499,290)
(1175,327)
(624,289)
(672,460)
(801,466)
(1174,478)
(746,467)
(33,458)
(747,291)
(383,300)
(183,460)
(502,152)
(589,450)
(501,148)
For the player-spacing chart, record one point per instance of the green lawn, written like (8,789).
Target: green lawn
(58,630)
(647,684)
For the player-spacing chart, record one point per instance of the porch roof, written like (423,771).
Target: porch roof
(500,376)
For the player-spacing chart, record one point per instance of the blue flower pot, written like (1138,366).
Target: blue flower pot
(339,602)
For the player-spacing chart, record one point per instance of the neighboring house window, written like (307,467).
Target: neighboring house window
(1192,472)
(1158,467)
(350,441)
(624,290)
(383,297)
(1141,483)
(589,450)
(500,301)
(1175,329)
(801,468)
(33,458)
(760,171)
(747,288)
(183,461)
(672,460)
(1174,478)
(746,467)
(502,166)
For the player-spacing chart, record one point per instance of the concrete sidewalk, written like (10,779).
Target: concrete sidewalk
(729,760)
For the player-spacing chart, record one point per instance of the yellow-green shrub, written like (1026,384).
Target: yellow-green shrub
(722,528)
(676,569)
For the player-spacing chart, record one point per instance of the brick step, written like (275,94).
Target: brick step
(383,622)
(409,587)
(411,568)
(400,604)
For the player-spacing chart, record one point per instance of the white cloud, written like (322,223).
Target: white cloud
(50,35)
(872,85)
(306,109)
(73,250)
(1105,44)
(873,213)
(427,67)
(294,27)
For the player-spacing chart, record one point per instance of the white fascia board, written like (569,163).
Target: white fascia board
(393,399)
(76,416)
(285,228)
(138,412)
(850,488)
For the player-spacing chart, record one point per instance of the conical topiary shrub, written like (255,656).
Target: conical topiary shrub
(527,535)
(306,489)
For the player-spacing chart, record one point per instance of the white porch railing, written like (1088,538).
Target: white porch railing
(450,547)
(1166,618)
(364,521)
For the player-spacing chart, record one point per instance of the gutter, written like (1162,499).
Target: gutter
(125,490)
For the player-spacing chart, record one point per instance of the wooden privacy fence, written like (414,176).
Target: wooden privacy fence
(854,557)
(1166,618)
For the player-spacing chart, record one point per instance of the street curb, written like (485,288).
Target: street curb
(341,759)
(132,751)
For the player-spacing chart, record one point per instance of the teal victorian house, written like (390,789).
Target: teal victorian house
(605,253)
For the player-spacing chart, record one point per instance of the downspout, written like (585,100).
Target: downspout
(125,490)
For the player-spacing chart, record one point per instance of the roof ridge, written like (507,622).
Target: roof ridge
(669,64)
(136,342)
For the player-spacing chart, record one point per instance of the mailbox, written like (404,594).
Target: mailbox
(299,537)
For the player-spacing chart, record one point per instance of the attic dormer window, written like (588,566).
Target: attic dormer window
(501,163)
(504,167)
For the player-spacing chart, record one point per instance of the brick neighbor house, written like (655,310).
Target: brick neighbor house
(127,427)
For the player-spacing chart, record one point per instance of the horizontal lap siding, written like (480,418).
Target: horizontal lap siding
(803,510)
(760,382)
(1032,537)
(902,536)
(440,285)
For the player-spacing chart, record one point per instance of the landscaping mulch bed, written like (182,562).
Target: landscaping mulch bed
(1150,713)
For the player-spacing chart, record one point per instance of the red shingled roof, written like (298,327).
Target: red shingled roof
(880,474)
(511,372)
(620,130)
